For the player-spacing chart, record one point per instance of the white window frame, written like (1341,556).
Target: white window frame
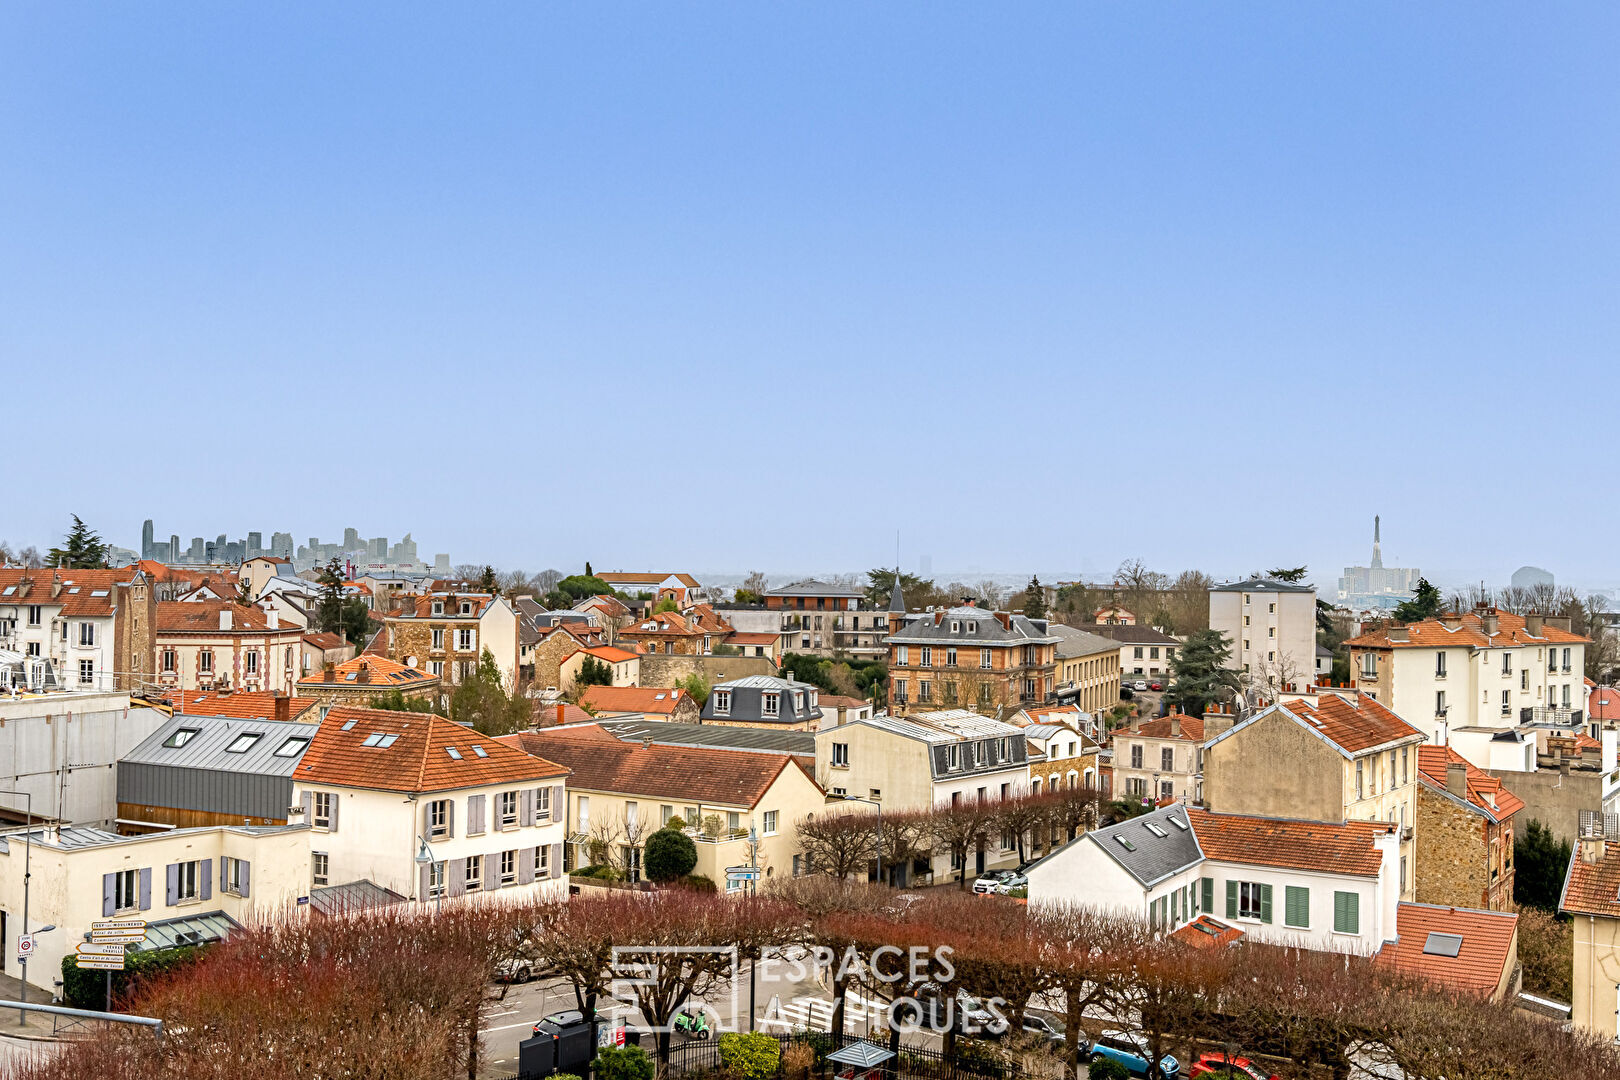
(232,881)
(439,819)
(770,703)
(87,672)
(507,806)
(320,868)
(840,755)
(508,868)
(473,879)
(771,819)
(188,882)
(466,639)
(438,639)
(722,702)
(126,890)
(320,810)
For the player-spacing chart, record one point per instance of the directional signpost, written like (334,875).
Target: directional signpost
(118,931)
(105,949)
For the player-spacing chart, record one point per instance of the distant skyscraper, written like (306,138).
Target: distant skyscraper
(1376,585)
(1531,577)
(351,540)
(281,545)
(199,550)
(174,548)
(146,539)
(255,544)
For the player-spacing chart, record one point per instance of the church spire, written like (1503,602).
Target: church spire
(1378,556)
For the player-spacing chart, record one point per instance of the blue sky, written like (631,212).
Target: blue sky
(734,286)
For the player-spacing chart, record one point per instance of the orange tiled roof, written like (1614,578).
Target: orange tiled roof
(421,607)
(625,699)
(694,774)
(1192,728)
(77,596)
(665,622)
(240,704)
(324,640)
(417,760)
(162,573)
(1485,792)
(738,637)
(380,672)
(202,616)
(1345,848)
(1207,932)
(1604,704)
(835,701)
(1470,631)
(612,654)
(1592,888)
(1481,960)
(1354,726)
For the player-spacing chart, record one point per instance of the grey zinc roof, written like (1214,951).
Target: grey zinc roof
(931,627)
(760,740)
(968,724)
(1074,642)
(1130,635)
(71,837)
(1151,858)
(1258,584)
(208,748)
(763,682)
(812,587)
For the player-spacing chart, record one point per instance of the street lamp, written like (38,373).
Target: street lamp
(424,857)
(28,853)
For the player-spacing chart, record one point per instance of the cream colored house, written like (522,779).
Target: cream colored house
(1272,628)
(428,808)
(1592,896)
(1160,759)
(1334,759)
(258,572)
(1487,669)
(1088,669)
(624,664)
(181,881)
(620,792)
(204,644)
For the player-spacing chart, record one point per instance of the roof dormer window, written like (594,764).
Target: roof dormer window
(466,608)
(438,607)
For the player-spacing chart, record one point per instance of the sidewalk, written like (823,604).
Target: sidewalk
(38,1025)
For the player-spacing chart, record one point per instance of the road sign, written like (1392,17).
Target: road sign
(91,948)
(120,937)
(119,924)
(25,945)
(99,963)
(742,871)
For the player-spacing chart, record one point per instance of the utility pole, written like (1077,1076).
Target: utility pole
(28,862)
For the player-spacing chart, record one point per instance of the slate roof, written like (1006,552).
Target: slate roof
(813,587)
(416,760)
(1486,795)
(718,736)
(1343,848)
(1129,635)
(601,762)
(1259,584)
(633,699)
(1147,856)
(931,627)
(1482,957)
(1511,631)
(207,748)
(1072,642)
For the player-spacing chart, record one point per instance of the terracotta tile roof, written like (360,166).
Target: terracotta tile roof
(379,671)
(199,616)
(1583,741)
(1482,957)
(1485,792)
(77,596)
(1192,728)
(665,623)
(1470,631)
(421,607)
(561,712)
(738,637)
(163,574)
(638,699)
(1592,888)
(1603,704)
(240,704)
(1354,726)
(416,760)
(835,701)
(610,606)
(378,645)
(691,774)
(323,640)
(611,653)
(1345,848)
(620,577)
(1207,932)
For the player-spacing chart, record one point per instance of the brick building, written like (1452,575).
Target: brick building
(1465,829)
(970,657)
(444,633)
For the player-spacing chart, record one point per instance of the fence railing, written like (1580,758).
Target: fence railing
(973,1060)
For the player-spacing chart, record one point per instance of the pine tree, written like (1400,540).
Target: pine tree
(1199,676)
(487,582)
(82,549)
(329,609)
(1426,603)
(1035,599)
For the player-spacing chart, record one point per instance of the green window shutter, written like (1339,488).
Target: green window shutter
(1209,894)
(1265,903)
(1346,913)
(1297,906)
(1231,899)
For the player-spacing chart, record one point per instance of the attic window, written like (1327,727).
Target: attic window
(243,743)
(292,747)
(658,697)
(1154,829)
(479,750)
(351,676)
(956,626)
(379,740)
(9,589)
(1178,823)
(181,737)
(438,608)
(98,592)
(1443,945)
(1124,843)
(466,609)
(349,724)
(453,752)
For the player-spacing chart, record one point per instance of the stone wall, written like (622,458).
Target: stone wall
(661,670)
(1451,852)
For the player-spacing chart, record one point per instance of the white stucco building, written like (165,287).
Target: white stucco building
(1272,627)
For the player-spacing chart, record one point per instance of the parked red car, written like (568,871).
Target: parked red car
(1155,686)
(1218,1066)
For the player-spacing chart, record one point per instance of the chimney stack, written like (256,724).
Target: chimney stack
(1451,620)
(365,672)
(271,619)
(1533,624)
(646,742)
(225,618)
(560,709)
(283,708)
(1457,779)
(1175,726)
(1488,624)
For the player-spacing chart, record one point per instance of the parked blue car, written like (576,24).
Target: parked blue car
(1130,1050)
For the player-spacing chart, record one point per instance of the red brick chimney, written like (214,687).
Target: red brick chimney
(283,708)
(560,711)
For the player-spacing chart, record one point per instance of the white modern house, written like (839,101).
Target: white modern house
(1331,887)
(429,809)
(61,748)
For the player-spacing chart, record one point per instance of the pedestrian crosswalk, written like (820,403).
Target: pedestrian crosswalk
(815,1013)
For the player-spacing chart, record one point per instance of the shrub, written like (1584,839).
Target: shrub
(1106,1068)
(622,1063)
(86,989)
(750,1054)
(699,883)
(975,1056)
(797,1060)
(1547,951)
(669,854)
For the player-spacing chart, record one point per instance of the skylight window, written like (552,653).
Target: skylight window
(388,740)
(98,592)
(1154,829)
(453,752)
(1124,843)
(1443,945)
(1178,823)
(348,725)
(374,739)
(292,747)
(243,743)
(479,750)
(181,737)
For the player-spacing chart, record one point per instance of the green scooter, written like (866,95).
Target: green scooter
(693,1023)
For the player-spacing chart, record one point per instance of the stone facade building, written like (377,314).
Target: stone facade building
(969,657)
(445,633)
(357,681)
(1465,829)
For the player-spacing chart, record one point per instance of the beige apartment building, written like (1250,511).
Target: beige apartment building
(1272,627)
(1160,759)
(445,633)
(1087,668)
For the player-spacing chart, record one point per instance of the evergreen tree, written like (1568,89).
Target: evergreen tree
(1294,575)
(669,853)
(1540,861)
(1035,599)
(593,672)
(1426,603)
(329,608)
(1199,676)
(82,549)
(484,701)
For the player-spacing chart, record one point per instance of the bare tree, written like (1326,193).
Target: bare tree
(960,829)
(839,843)
(756,582)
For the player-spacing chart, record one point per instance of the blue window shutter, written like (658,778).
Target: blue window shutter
(171,883)
(108,901)
(146,888)
(205,878)
(247,869)
(337,800)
